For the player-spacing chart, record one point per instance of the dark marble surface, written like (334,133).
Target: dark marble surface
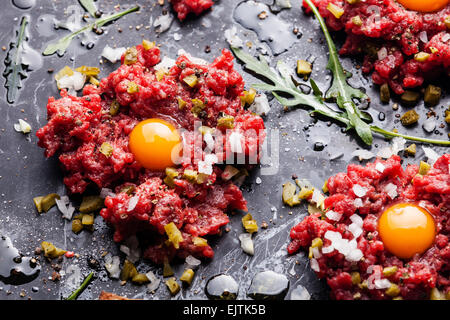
(25,172)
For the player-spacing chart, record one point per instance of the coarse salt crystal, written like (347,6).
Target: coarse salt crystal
(327,249)
(354,255)
(391,190)
(355,230)
(356,219)
(333,215)
(358,202)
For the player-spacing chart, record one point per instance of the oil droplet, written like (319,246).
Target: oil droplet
(269,28)
(24,4)
(14,268)
(222,287)
(268,285)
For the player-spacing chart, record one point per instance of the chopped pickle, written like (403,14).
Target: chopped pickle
(130,56)
(88,71)
(132,87)
(410,117)
(325,186)
(38,203)
(304,68)
(128,271)
(190,175)
(167,270)
(173,286)
(410,98)
(106,149)
(435,294)
(226,122)
(181,103)
(447,21)
(397,298)
(114,108)
(87,219)
(335,10)
(128,189)
(317,243)
(356,20)
(140,278)
(289,196)
(147,45)
(197,106)
(356,278)
(202,178)
(411,150)
(175,236)
(205,129)
(385,93)
(94,81)
(447,116)
(390,271)
(49,201)
(199,242)
(305,193)
(353,1)
(421,56)
(171,174)
(229,172)
(91,203)
(313,209)
(50,251)
(77,226)
(187,276)
(424,168)
(160,74)
(432,95)
(393,290)
(191,80)
(433,50)
(248,97)
(66,71)
(249,223)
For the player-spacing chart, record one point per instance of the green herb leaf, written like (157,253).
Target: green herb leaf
(282,84)
(83,286)
(62,44)
(15,71)
(340,90)
(89,6)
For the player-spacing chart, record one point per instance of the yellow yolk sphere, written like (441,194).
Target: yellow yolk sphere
(406,229)
(424,6)
(154,143)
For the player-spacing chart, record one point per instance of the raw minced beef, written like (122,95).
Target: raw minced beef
(78,126)
(389,35)
(415,277)
(184,7)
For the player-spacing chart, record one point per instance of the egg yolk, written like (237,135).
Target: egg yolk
(424,6)
(406,229)
(155,144)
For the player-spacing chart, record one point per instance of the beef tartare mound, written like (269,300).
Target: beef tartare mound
(184,7)
(402,44)
(384,232)
(177,205)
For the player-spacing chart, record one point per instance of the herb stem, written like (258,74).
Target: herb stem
(83,286)
(390,134)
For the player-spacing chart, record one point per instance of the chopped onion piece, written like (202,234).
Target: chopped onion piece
(247,243)
(356,219)
(314,265)
(235,142)
(391,190)
(332,215)
(382,53)
(163,22)
(363,154)
(113,54)
(429,125)
(132,203)
(260,105)
(154,281)
(165,64)
(300,293)
(192,262)
(106,192)
(355,230)
(431,155)
(112,265)
(382,283)
(358,202)
(22,126)
(359,190)
(327,249)
(354,255)
(232,38)
(380,167)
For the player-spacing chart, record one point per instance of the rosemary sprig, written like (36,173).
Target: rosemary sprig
(83,286)
(15,71)
(62,44)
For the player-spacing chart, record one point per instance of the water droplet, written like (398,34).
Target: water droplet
(222,287)
(268,285)
(24,4)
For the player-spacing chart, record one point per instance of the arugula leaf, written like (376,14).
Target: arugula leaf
(89,6)
(15,71)
(340,90)
(62,44)
(282,84)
